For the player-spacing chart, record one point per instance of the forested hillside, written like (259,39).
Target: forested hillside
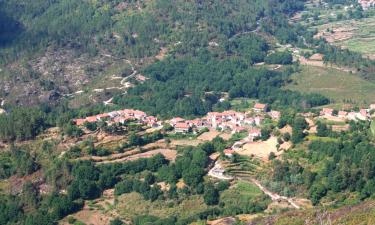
(52,49)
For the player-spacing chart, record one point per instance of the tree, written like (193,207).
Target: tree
(299,125)
(149,178)
(317,191)
(265,134)
(322,129)
(211,195)
(271,156)
(116,221)
(193,175)
(134,140)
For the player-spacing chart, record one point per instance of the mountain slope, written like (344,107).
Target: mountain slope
(59,47)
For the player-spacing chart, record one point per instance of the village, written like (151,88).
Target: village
(249,124)
(232,121)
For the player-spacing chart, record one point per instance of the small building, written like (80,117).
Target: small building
(372,107)
(79,122)
(352,116)
(258,120)
(102,116)
(258,107)
(317,57)
(238,130)
(182,128)
(363,114)
(229,152)
(255,132)
(91,119)
(326,112)
(275,115)
(342,114)
(139,114)
(176,120)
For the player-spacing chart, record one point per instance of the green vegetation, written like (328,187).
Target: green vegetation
(339,166)
(373,127)
(241,198)
(211,50)
(339,86)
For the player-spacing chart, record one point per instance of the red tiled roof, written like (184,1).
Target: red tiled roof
(79,122)
(182,126)
(91,119)
(260,106)
(229,151)
(342,113)
(327,110)
(104,115)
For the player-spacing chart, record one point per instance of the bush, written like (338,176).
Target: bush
(116,221)
(71,220)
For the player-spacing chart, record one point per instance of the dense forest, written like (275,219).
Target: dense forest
(38,24)
(193,86)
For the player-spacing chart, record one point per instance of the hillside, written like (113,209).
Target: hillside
(362,213)
(56,48)
(159,112)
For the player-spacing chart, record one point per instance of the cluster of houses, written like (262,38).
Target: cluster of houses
(366,4)
(362,114)
(228,120)
(121,116)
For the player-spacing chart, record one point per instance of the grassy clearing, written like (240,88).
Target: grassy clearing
(132,205)
(316,138)
(334,84)
(242,104)
(240,194)
(373,128)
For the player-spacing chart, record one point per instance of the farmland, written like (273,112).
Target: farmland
(337,85)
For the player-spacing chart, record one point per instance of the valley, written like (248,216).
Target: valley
(156,112)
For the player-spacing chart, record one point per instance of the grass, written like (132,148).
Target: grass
(132,205)
(4,186)
(358,214)
(335,84)
(324,139)
(242,192)
(373,128)
(242,104)
(363,39)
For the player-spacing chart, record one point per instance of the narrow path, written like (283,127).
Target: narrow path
(125,79)
(274,196)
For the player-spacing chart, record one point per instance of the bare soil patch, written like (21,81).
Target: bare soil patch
(286,129)
(209,136)
(337,34)
(226,136)
(222,221)
(167,153)
(260,149)
(185,142)
(163,52)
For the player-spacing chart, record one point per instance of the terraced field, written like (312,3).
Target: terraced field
(356,35)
